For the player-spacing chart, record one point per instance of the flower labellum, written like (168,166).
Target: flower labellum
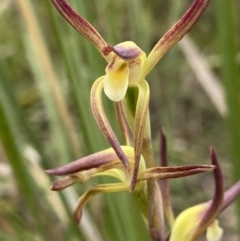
(124,69)
(214,232)
(116,79)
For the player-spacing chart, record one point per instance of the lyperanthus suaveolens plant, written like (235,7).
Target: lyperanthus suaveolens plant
(133,163)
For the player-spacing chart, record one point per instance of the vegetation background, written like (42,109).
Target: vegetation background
(46,72)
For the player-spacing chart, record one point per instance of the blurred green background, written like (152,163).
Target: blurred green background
(46,72)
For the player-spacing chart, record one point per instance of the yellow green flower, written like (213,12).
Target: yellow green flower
(127,62)
(107,163)
(125,83)
(127,68)
(194,221)
(124,70)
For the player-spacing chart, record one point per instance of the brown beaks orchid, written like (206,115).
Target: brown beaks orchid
(127,68)
(194,221)
(107,163)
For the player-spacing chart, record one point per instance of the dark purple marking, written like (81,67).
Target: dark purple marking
(107,50)
(126,53)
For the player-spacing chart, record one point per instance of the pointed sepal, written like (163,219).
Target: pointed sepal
(174,34)
(159,173)
(100,160)
(84,28)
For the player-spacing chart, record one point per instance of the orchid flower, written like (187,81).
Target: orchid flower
(127,69)
(194,221)
(125,84)
(107,163)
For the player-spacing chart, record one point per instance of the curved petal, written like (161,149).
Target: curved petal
(214,207)
(112,169)
(84,28)
(139,125)
(102,121)
(116,79)
(174,34)
(114,187)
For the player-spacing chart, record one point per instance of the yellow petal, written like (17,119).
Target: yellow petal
(214,232)
(135,69)
(128,51)
(187,222)
(116,79)
(117,173)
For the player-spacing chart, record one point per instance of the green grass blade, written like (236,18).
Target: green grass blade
(227,26)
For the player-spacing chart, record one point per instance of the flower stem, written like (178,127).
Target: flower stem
(154,196)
